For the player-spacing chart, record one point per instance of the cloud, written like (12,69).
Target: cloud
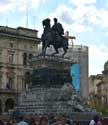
(6,6)
(72,19)
(10,5)
(60,10)
(106,33)
(24,4)
(82,2)
(77,27)
(103,16)
(83,17)
(97,59)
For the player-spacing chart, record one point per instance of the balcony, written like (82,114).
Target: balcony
(8,91)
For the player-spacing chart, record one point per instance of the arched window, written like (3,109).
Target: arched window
(9,104)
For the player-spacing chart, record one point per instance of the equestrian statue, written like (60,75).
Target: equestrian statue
(53,36)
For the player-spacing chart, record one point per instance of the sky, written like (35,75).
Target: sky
(85,19)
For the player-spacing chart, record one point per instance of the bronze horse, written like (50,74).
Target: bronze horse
(50,37)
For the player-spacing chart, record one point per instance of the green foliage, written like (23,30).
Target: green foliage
(103,110)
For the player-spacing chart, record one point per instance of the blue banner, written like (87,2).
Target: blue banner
(75,73)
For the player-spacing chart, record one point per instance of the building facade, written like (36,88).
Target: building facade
(98,89)
(102,88)
(94,89)
(17,47)
(93,81)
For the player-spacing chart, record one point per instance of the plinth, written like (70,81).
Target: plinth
(51,82)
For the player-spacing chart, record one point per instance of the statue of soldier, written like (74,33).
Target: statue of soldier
(57,27)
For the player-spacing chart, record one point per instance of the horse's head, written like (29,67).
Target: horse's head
(46,22)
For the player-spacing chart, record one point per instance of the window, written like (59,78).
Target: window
(9,83)
(25,59)
(27,78)
(0,81)
(30,56)
(11,45)
(0,55)
(10,58)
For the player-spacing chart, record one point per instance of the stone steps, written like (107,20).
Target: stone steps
(42,101)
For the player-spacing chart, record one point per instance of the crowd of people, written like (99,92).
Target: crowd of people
(37,120)
(51,120)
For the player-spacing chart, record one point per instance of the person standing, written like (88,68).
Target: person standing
(96,120)
(43,120)
(22,121)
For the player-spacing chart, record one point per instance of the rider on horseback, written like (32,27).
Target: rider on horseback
(53,36)
(59,31)
(57,27)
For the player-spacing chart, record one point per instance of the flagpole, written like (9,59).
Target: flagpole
(27,18)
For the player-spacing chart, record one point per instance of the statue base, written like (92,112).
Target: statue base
(44,101)
(51,90)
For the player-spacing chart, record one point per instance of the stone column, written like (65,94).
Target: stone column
(3,104)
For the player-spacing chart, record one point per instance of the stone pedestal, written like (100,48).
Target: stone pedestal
(51,90)
(45,95)
(43,101)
